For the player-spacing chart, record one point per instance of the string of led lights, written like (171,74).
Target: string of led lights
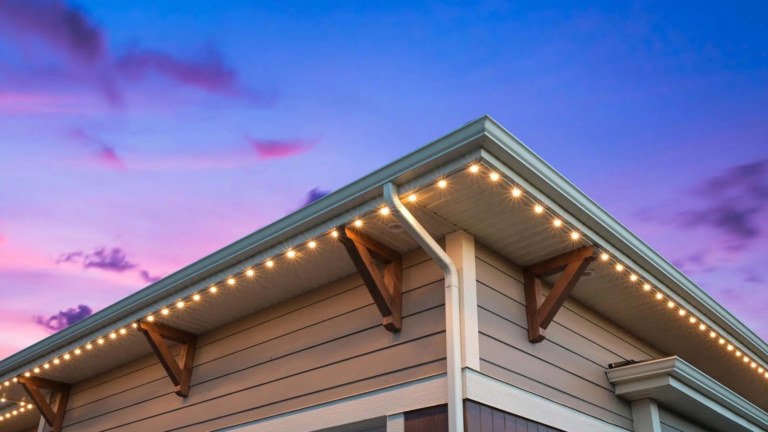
(8,412)
(517,193)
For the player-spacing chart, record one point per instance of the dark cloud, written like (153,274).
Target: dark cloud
(148,278)
(66,30)
(64,318)
(274,149)
(314,195)
(114,260)
(59,25)
(734,202)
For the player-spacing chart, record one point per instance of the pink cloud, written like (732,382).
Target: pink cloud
(103,155)
(275,149)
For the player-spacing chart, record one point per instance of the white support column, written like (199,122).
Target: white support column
(396,423)
(645,414)
(460,247)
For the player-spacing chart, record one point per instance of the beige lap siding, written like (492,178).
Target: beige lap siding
(324,345)
(569,366)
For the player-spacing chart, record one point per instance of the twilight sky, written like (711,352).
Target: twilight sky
(138,136)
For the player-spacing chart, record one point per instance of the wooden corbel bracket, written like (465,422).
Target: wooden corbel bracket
(540,314)
(59,396)
(180,374)
(381,269)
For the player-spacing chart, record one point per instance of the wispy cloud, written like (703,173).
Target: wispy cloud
(148,278)
(70,34)
(208,73)
(733,203)
(103,154)
(59,25)
(114,259)
(275,149)
(64,318)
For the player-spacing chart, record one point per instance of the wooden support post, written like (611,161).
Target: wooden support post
(59,396)
(572,265)
(385,287)
(180,374)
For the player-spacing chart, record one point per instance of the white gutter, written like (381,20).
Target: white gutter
(452,318)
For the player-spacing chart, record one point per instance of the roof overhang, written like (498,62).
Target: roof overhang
(684,389)
(482,141)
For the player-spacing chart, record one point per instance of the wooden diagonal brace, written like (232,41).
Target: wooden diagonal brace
(180,374)
(386,289)
(572,264)
(59,397)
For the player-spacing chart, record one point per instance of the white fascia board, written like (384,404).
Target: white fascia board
(683,388)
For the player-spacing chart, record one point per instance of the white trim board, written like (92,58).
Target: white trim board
(417,394)
(492,392)
(682,388)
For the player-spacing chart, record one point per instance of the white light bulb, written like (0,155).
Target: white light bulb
(179,304)
(474,169)
(358,223)
(619,267)
(605,257)
(312,244)
(196,297)
(442,184)
(633,277)
(291,253)
(412,198)
(269,263)
(250,272)
(165,311)
(494,176)
(647,287)
(230,281)
(538,209)
(557,222)
(516,193)
(213,289)
(384,211)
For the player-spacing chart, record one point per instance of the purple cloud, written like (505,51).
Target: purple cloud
(275,149)
(57,24)
(209,74)
(148,278)
(114,260)
(68,31)
(104,154)
(314,195)
(734,203)
(64,318)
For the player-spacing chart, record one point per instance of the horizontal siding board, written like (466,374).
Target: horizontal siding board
(520,362)
(583,322)
(524,382)
(510,334)
(294,352)
(313,399)
(172,412)
(325,343)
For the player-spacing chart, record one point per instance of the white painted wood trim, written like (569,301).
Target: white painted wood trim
(645,415)
(396,423)
(460,247)
(383,402)
(492,392)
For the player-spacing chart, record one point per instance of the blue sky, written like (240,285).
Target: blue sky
(140,136)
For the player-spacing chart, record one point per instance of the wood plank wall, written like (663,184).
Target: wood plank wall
(321,346)
(569,366)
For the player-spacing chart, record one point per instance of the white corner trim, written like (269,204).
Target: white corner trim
(662,378)
(460,247)
(645,415)
(492,392)
(396,423)
(417,394)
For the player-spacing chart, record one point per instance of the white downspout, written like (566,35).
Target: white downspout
(452,317)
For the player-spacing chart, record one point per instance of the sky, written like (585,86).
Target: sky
(137,137)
